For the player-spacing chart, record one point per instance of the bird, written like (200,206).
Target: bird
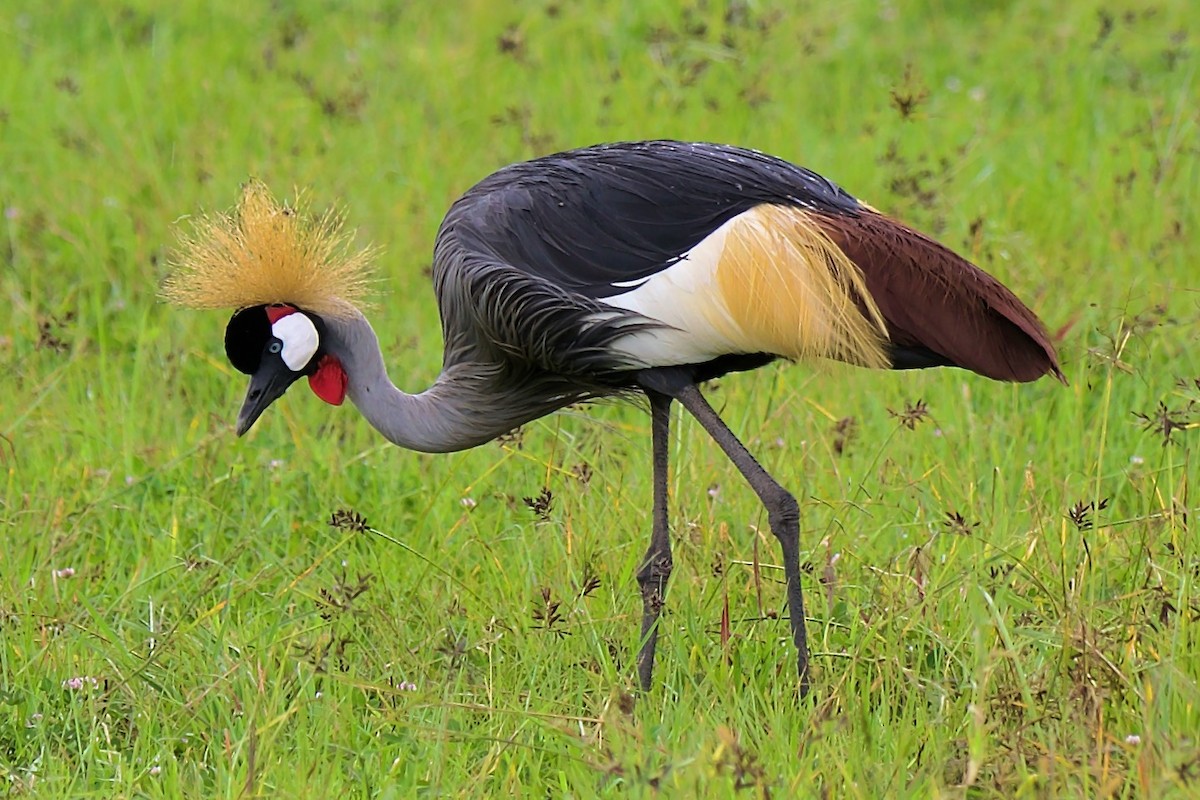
(617,270)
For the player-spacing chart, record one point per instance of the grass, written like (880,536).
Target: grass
(1003,599)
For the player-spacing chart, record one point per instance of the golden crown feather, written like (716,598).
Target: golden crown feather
(267,252)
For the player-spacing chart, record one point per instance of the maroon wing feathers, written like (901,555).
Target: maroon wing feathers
(933,299)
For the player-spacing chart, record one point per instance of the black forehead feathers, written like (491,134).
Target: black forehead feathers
(245,337)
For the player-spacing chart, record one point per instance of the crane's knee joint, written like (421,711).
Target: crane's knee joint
(783,513)
(655,571)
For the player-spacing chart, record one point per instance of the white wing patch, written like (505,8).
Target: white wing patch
(686,297)
(300,340)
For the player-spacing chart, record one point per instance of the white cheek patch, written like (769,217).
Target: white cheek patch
(300,340)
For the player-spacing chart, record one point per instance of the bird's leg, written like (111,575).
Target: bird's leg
(656,565)
(783,512)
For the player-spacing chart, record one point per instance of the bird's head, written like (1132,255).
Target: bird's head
(276,345)
(287,271)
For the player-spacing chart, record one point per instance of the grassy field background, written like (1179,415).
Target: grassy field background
(1003,599)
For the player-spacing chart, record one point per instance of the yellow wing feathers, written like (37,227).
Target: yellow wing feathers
(265,252)
(792,292)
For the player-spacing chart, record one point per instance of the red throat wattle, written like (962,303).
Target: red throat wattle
(329,381)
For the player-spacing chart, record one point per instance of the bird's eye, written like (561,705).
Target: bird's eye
(275,347)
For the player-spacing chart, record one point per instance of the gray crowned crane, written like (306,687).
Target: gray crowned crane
(613,270)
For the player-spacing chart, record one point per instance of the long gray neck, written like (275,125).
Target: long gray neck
(462,409)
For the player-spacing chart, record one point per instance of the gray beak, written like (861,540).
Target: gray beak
(266,386)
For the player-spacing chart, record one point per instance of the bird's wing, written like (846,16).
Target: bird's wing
(797,267)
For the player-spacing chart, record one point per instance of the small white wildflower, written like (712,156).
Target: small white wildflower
(1133,738)
(155,770)
(468,503)
(130,480)
(1137,460)
(80,681)
(405,686)
(65,572)
(275,463)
